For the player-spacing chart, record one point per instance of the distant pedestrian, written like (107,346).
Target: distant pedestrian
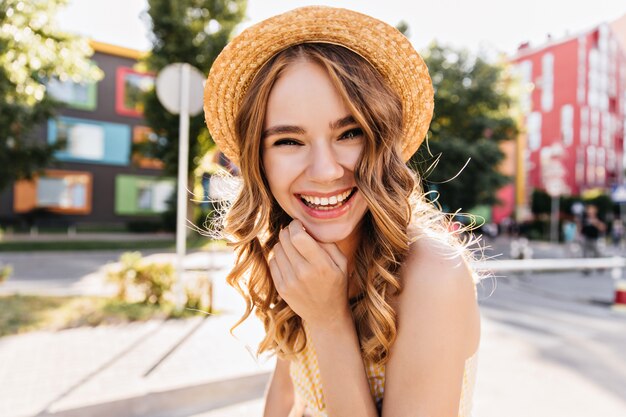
(571,238)
(592,229)
(617,232)
(569,232)
(365,292)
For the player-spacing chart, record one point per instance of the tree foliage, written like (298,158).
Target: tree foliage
(195,32)
(473,110)
(32,51)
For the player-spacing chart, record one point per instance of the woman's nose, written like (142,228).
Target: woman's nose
(324,164)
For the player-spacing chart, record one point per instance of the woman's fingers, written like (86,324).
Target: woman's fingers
(309,248)
(276,275)
(336,255)
(283,263)
(304,243)
(294,256)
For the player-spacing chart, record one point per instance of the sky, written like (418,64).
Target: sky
(488,25)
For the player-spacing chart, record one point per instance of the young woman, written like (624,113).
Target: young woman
(364,291)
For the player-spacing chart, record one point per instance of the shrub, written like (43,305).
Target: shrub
(199,293)
(5,272)
(140,281)
(154,283)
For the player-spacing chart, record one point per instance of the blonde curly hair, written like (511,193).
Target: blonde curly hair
(398,210)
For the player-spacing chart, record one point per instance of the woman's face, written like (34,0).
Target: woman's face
(311,145)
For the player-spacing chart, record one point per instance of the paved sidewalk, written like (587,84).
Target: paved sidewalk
(182,368)
(124,370)
(157,368)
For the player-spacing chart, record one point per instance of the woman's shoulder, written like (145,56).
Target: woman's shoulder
(438,286)
(434,260)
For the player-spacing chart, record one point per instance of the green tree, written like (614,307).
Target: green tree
(32,51)
(195,32)
(473,110)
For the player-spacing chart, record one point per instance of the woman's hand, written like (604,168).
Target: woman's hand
(310,276)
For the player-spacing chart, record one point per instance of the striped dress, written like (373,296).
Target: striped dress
(305,375)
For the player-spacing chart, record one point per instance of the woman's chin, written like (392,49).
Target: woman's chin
(327,235)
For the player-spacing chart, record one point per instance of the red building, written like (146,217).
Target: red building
(574,106)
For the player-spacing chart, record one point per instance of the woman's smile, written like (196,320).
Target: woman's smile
(328,207)
(311,144)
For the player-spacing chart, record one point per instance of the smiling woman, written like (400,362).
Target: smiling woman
(310,149)
(339,252)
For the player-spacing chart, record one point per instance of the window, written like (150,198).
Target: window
(90,141)
(130,87)
(600,166)
(580,166)
(142,136)
(607,130)
(547,82)
(533,126)
(598,80)
(611,160)
(77,95)
(582,68)
(84,141)
(594,133)
(567,124)
(144,196)
(584,125)
(591,165)
(593,83)
(60,191)
(137,195)
(612,69)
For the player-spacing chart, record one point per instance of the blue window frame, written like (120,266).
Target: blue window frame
(91,141)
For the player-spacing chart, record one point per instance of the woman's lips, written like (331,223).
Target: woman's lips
(330,213)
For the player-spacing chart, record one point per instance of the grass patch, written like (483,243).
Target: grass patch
(24,313)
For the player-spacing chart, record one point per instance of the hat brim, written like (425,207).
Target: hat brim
(382,45)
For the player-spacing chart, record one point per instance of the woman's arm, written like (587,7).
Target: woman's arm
(312,278)
(438,329)
(279,398)
(344,380)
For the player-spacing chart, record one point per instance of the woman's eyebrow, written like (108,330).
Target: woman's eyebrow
(297,130)
(343,122)
(281,129)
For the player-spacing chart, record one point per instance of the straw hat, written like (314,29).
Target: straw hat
(382,45)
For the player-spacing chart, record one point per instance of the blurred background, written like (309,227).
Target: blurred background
(100,316)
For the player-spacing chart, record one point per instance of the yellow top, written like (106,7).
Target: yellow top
(305,375)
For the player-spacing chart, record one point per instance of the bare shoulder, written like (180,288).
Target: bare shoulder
(436,266)
(438,329)
(438,285)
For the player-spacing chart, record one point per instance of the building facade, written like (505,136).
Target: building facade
(99,178)
(574,106)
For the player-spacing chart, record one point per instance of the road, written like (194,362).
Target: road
(65,272)
(551,345)
(543,354)
(547,350)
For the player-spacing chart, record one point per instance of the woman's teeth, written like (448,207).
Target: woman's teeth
(326,203)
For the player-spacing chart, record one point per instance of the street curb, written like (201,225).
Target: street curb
(179,402)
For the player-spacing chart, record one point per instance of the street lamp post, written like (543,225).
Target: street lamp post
(179,88)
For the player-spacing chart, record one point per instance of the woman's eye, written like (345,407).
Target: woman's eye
(288,142)
(352,134)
